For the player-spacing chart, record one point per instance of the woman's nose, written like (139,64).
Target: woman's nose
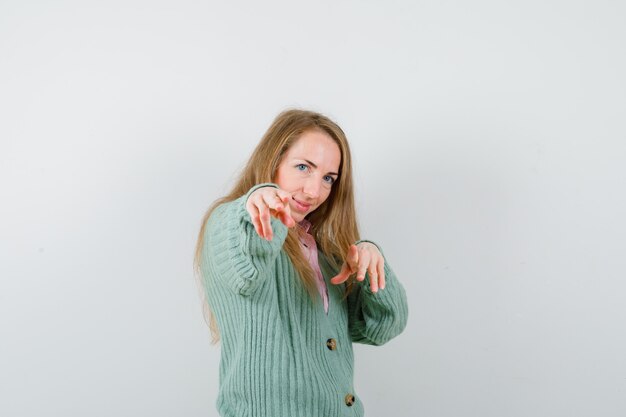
(312,187)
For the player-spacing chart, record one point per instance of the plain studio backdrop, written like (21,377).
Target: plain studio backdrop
(489,141)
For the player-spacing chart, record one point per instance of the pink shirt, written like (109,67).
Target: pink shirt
(309,248)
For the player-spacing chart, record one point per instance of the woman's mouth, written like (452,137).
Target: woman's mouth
(301,206)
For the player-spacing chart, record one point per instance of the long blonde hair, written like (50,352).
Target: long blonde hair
(334,224)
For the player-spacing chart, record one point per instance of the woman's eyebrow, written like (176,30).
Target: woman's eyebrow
(315,166)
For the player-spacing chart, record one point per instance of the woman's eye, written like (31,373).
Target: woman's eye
(329,179)
(301,167)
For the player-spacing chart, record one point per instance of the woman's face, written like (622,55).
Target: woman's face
(308,170)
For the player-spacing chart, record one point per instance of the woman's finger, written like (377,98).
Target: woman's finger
(381,273)
(264,218)
(255,218)
(285,218)
(373,277)
(343,275)
(363,263)
(285,214)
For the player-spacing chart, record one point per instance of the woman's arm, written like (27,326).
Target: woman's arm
(238,256)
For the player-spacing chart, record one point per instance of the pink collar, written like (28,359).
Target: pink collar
(305,225)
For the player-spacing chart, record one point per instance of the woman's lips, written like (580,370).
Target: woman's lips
(301,206)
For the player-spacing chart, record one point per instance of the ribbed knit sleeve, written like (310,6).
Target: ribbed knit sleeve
(241,257)
(376,318)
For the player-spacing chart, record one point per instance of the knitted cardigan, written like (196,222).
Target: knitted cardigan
(281,354)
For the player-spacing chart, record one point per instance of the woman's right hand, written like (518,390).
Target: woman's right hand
(267,202)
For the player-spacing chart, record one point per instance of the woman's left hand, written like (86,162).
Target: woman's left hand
(361,258)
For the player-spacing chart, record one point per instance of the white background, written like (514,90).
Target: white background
(489,140)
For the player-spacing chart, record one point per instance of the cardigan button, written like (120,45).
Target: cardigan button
(349,400)
(331,344)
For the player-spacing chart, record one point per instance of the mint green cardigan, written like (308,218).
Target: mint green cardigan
(281,354)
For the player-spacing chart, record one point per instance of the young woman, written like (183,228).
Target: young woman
(288,284)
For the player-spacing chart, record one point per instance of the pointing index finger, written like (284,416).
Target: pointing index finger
(342,276)
(285,215)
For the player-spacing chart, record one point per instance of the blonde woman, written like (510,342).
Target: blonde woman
(288,284)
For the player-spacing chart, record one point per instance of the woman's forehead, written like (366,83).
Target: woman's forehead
(316,147)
